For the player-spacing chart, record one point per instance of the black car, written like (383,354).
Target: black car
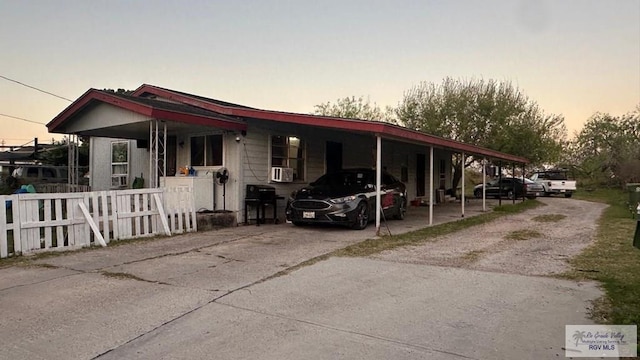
(347,197)
(508,187)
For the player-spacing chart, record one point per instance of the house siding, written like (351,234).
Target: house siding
(100,163)
(103,116)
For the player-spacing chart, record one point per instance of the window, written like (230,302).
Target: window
(206,150)
(289,151)
(119,164)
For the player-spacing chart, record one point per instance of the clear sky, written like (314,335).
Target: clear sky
(572,57)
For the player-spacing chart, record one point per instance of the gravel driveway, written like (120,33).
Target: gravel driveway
(545,249)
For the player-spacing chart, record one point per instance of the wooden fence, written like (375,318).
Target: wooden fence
(63,221)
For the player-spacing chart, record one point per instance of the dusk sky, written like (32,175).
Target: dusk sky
(572,57)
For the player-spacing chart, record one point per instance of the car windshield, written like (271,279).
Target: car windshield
(343,180)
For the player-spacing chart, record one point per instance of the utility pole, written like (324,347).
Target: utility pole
(35,149)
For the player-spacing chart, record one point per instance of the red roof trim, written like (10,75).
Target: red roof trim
(142,109)
(330,122)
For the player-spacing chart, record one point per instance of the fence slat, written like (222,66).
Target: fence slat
(17,234)
(93,225)
(4,245)
(137,220)
(56,220)
(59,228)
(46,219)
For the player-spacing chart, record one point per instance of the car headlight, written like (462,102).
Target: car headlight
(343,200)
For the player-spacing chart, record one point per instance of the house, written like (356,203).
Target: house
(154,132)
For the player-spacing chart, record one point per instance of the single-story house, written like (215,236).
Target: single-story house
(155,133)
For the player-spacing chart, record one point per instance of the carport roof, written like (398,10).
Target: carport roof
(376,127)
(200,110)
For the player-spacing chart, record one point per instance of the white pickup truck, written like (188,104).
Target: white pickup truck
(555,182)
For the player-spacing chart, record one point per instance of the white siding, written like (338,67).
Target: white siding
(100,163)
(104,116)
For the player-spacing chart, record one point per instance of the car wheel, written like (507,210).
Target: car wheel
(568,195)
(362,216)
(478,193)
(402,209)
(510,195)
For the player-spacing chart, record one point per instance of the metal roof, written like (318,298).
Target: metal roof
(198,110)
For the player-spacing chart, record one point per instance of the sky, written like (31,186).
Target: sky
(572,57)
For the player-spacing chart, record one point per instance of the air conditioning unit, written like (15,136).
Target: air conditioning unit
(281,174)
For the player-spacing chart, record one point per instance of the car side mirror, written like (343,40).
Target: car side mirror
(370,187)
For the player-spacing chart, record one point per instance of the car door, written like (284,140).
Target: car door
(492,188)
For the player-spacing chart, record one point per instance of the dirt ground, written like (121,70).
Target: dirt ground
(536,242)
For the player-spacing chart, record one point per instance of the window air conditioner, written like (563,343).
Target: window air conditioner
(281,174)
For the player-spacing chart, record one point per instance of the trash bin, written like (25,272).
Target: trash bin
(634,197)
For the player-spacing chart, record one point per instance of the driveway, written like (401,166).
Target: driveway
(213,295)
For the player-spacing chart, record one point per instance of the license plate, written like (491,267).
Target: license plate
(538,194)
(562,191)
(308,214)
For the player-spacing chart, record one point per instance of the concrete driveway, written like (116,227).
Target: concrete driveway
(212,295)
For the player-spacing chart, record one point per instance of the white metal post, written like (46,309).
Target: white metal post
(150,153)
(378,181)
(431,186)
(155,155)
(484,182)
(164,152)
(462,195)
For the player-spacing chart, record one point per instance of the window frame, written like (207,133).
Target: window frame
(120,180)
(204,155)
(288,161)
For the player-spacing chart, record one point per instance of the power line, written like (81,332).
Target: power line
(23,119)
(35,88)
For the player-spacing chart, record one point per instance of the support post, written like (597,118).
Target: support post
(484,183)
(524,193)
(513,182)
(500,183)
(378,181)
(431,186)
(462,194)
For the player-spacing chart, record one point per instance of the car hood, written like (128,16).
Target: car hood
(324,193)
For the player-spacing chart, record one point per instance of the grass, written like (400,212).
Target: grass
(523,234)
(472,255)
(122,276)
(549,218)
(612,260)
(374,246)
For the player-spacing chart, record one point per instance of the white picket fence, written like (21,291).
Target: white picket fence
(63,221)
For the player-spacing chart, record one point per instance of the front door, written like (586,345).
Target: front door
(333,156)
(420,174)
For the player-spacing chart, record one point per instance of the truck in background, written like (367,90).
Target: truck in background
(555,182)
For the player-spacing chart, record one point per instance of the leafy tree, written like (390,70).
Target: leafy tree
(120,91)
(58,155)
(355,108)
(492,114)
(607,149)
